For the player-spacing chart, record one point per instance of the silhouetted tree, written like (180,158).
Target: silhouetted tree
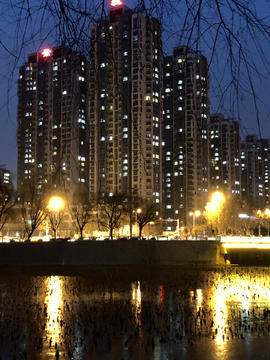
(7,202)
(55,212)
(33,203)
(145,212)
(82,209)
(111,212)
(229,32)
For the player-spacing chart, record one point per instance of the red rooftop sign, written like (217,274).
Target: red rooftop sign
(47,52)
(116,2)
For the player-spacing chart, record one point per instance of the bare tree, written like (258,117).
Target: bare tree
(33,203)
(82,209)
(6,202)
(233,34)
(55,213)
(112,212)
(145,212)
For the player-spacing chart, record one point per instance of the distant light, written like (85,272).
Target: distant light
(46,52)
(116,2)
(246,246)
(243,216)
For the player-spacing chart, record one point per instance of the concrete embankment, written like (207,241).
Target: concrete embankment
(128,252)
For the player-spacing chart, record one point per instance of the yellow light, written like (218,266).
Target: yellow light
(56,203)
(196,213)
(137,303)
(54,303)
(139,211)
(217,198)
(246,246)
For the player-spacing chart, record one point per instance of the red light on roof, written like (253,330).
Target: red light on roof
(46,52)
(116,2)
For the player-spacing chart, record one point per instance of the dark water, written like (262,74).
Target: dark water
(191,314)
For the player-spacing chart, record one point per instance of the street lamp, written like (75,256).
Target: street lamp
(138,211)
(267,214)
(55,204)
(259,213)
(194,214)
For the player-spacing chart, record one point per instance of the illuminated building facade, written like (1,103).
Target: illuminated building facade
(255,158)
(5,177)
(125,104)
(185,134)
(224,153)
(52,115)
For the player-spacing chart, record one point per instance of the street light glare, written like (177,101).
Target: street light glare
(56,203)
(217,198)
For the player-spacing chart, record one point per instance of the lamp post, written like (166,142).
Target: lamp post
(138,211)
(194,214)
(55,204)
(259,213)
(267,214)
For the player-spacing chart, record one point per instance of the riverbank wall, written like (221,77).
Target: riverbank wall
(117,252)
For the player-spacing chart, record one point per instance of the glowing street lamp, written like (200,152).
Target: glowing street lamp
(56,203)
(138,211)
(194,214)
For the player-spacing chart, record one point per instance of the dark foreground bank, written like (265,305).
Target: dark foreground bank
(85,253)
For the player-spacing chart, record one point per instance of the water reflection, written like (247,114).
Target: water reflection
(53,301)
(137,305)
(220,314)
(209,311)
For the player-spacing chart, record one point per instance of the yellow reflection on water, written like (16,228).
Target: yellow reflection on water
(199,296)
(53,301)
(137,304)
(220,315)
(236,298)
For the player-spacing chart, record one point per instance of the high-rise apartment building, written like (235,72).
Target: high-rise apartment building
(255,158)
(185,133)
(224,156)
(52,115)
(126,104)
